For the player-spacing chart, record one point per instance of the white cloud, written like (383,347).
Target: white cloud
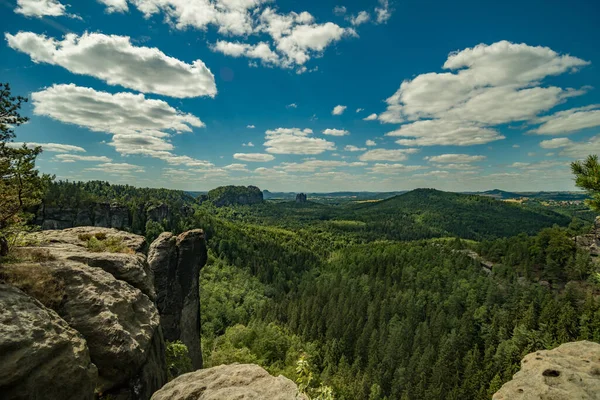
(293,105)
(138,125)
(249,144)
(295,141)
(569,121)
(339,10)
(253,157)
(75,157)
(515,146)
(313,165)
(387,155)
(116,168)
(444,132)
(338,110)
(371,117)
(555,143)
(115,60)
(390,169)
(360,18)
(250,126)
(40,8)
(383,11)
(370,143)
(354,148)
(454,158)
(236,167)
(50,147)
(115,5)
(335,132)
(483,86)
(359,110)
(261,51)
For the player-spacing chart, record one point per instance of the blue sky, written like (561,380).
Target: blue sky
(307,95)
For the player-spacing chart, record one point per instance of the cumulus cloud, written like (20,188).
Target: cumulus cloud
(555,143)
(444,132)
(40,8)
(115,60)
(261,51)
(338,110)
(295,141)
(50,147)
(249,144)
(250,126)
(383,12)
(293,105)
(115,6)
(391,169)
(354,148)
(371,117)
(359,110)
(360,18)
(339,10)
(236,167)
(483,86)
(138,125)
(253,157)
(454,158)
(335,132)
(569,121)
(313,165)
(67,158)
(387,155)
(116,168)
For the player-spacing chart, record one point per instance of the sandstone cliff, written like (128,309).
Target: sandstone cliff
(175,263)
(591,241)
(104,322)
(229,382)
(571,371)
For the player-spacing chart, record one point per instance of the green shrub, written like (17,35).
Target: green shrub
(100,242)
(178,360)
(36,280)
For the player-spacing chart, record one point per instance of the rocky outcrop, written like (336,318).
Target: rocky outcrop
(175,263)
(228,382)
(591,241)
(41,356)
(301,198)
(571,371)
(158,213)
(108,300)
(229,195)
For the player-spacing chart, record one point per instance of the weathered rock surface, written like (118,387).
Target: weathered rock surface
(41,356)
(591,241)
(228,382)
(301,198)
(175,263)
(108,300)
(67,245)
(571,371)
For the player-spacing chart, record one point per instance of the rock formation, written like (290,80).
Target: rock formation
(229,195)
(41,356)
(591,241)
(108,310)
(301,198)
(571,371)
(228,382)
(175,263)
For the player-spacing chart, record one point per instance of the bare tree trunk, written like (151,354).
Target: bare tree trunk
(3,246)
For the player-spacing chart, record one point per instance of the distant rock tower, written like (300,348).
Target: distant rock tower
(301,198)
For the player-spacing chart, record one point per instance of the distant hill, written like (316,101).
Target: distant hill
(556,196)
(230,195)
(435,213)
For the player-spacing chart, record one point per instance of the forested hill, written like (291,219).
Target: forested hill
(455,214)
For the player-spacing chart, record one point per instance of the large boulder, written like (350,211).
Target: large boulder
(571,371)
(229,382)
(591,241)
(175,263)
(41,356)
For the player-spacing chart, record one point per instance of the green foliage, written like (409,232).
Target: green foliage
(178,359)
(21,184)
(99,242)
(229,195)
(587,177)
(153,230)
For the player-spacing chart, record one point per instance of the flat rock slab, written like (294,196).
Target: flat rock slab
(229,382)
(571,371)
